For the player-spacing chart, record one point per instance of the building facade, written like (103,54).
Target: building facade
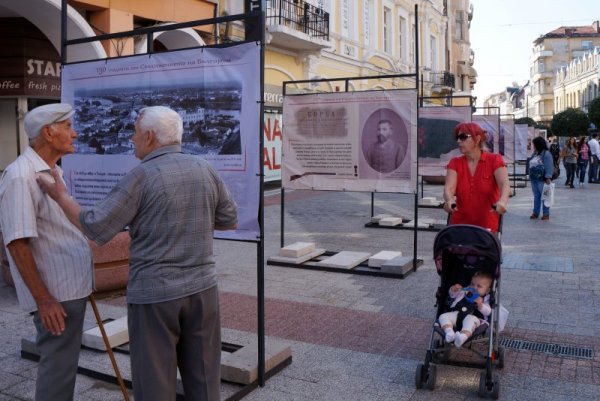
(306,40)
(553,52)
(578,83)
(31,46)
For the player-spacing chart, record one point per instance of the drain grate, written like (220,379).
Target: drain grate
(549,348)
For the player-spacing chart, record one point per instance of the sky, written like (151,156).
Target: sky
(502,34)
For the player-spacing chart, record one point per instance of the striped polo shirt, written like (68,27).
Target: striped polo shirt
(61,252)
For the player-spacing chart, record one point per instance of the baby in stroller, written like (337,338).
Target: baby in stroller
(466,254)
(470,308)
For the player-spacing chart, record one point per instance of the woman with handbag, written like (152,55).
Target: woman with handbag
(541,167)
(569,156)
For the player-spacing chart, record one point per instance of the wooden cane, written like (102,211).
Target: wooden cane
(111,355)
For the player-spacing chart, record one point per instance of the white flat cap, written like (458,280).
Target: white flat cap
(46,115)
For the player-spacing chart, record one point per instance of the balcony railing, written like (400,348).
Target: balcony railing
(444,78)
(298,15)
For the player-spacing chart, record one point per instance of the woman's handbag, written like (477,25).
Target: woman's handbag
(536,168)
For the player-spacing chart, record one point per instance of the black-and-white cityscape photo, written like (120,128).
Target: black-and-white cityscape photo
(105,118)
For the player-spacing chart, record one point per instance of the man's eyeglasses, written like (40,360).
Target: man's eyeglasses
(462,137)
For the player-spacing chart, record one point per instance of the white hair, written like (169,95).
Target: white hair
(163,121)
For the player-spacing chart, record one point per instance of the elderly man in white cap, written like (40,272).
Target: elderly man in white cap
(50,260)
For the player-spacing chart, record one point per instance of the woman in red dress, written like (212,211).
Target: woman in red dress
(475,181)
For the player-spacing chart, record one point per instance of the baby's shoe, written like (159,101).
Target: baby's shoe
(459,339)
(449,336)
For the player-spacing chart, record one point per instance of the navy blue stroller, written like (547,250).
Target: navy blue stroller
(459,251)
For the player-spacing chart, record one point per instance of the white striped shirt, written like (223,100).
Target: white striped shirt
(61,252)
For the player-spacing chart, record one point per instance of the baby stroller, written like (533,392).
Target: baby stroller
(459,251)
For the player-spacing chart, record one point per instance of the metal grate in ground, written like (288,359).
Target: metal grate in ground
(549,348)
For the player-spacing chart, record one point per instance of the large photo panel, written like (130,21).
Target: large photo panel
(351,141)
(436,139)
(507,140)
(217,95)
(522,143)
(491,125)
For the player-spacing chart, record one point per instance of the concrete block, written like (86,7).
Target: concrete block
(297,261)
(381,257)
(429,200)
(241,366)
(297,249)
(116,331)
(28,345)
(400,265)
(390,221)
(412,224)
(344,260)
(375,219)
(427,221)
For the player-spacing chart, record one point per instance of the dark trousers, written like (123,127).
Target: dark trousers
(582,167)
(184,333)
(593,169)
(570,172)
(59,355)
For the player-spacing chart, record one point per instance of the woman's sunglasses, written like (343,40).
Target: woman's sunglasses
(462,137)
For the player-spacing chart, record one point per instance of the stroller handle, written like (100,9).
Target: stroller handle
(494,206)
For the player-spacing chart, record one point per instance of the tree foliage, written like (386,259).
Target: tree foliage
(571,122)
(526,120)
(594,112)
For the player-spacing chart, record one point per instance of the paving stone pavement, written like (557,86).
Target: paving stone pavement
(361,338)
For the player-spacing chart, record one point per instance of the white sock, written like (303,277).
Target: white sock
(459,339)
(449,335)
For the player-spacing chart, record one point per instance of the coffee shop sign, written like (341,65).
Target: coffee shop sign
(43,68)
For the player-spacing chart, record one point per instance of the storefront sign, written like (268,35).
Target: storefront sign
(31,64)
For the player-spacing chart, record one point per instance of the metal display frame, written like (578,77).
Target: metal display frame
(435,228)
(254,26)
(363,268)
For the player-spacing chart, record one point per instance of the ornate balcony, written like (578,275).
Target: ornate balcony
(295,24)
(443,81)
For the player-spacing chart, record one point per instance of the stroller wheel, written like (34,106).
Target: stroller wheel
(493,390)
(420,374)
(425,377)
(431,376)
(500,357)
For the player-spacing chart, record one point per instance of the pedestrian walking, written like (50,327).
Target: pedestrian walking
(569,156)
(594,159)
(582,158)
(540,173)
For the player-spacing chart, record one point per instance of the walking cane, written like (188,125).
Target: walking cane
(111,355)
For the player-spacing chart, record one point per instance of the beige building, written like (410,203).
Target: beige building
(502,103)
(553,52)
(577,84)
(327,39)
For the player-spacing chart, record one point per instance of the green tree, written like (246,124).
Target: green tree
(526,120)
(594,112)
(571,122)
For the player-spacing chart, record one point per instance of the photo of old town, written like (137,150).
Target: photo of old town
(105,118)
